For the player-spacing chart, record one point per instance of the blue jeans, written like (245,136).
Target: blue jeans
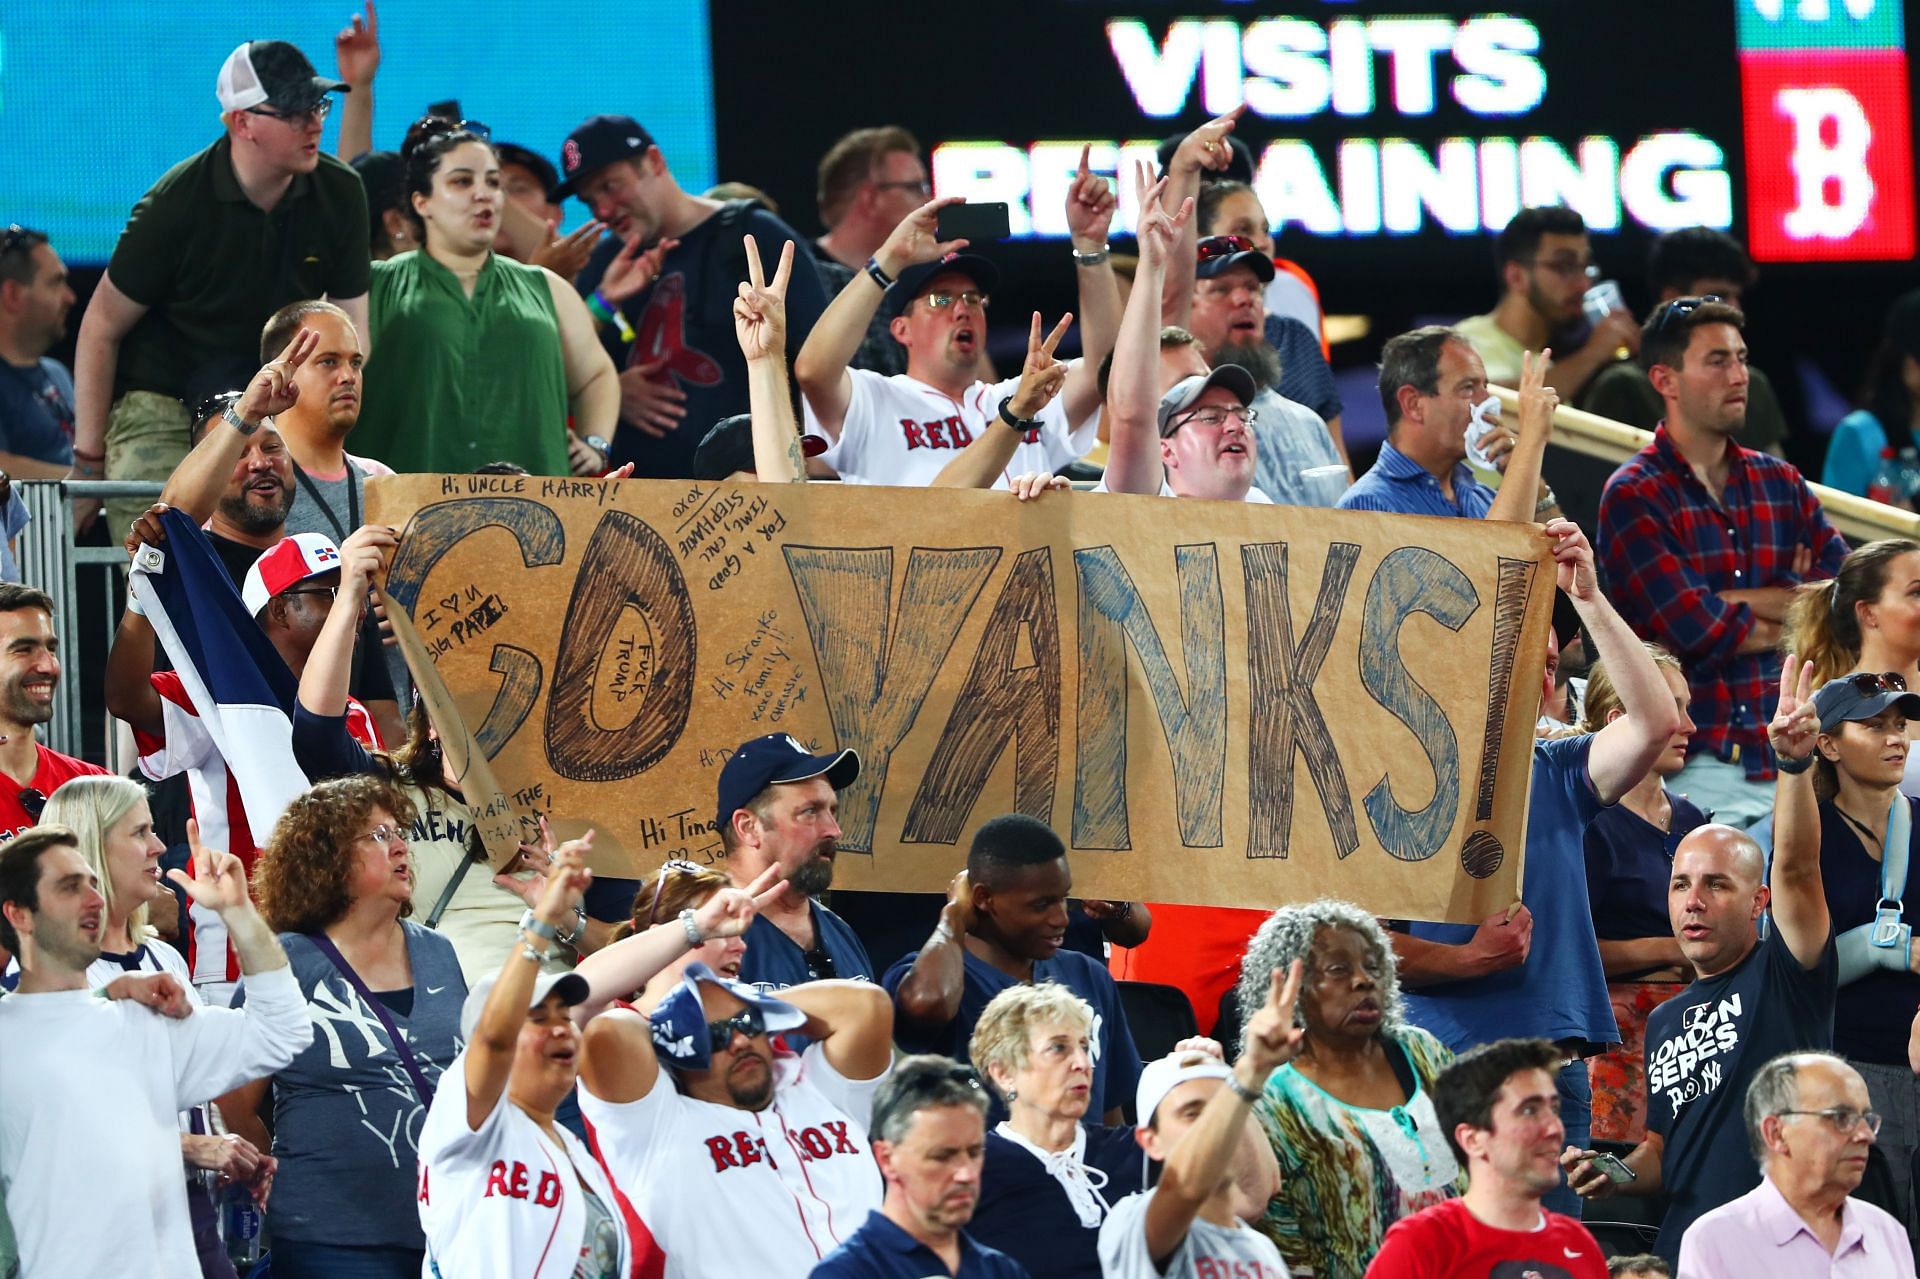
(298,1259)
(1576,1115)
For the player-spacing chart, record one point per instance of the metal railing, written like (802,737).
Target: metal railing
(88,588)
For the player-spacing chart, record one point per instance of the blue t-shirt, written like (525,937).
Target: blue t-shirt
(1704,1047)
(1116,1062)
(773,962)
(1853,454)
(1560,992)
(1305,377)
(1874,1012)
(882,1250)
(686,317)
(346,1114)
(1396,484)
(1629,863)
(36,411)
(1024,1212)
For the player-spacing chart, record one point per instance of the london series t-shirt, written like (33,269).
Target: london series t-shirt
(1703,1047)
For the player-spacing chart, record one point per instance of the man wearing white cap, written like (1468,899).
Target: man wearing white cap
(289,590)
(741,1158)
(1217,1171)
(219,243)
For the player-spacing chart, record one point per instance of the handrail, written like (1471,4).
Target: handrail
(1859,519)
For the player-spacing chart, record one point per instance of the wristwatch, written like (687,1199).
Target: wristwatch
(233,419)
(1020,424)
(598,443)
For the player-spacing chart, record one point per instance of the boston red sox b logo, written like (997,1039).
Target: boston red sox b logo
(663,335)
(744,1149)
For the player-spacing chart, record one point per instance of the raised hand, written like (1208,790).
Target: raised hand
(633,269)
(273,389)
(363,558)
(219,879)
(1042,376)
(1206,147)
(567,881)
(760,312)
(147,529)
(1090,206)
(730,911)
(565,255)
(356,50)
(957,914)
(1795,724)
(1573,560)
(1159,231)
(917,238)
(1537,400)
(1271,1038)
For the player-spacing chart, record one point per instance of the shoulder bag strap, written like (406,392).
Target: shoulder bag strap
(324,944)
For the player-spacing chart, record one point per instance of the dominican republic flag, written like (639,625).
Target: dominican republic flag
(227,709)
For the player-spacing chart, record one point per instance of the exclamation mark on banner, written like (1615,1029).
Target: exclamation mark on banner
(1481,854)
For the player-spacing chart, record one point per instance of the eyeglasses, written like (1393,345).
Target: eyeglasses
(315,113)
(33,801)
(1214,416)
(972,297)
(676,866)
(1678,309)
(385,834)
(747,1021)
(1868,684)
(1845,1119)
(329,591)
(919,186)
(1567,267)
(1223,246)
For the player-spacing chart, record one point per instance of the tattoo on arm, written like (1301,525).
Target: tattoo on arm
(797,458)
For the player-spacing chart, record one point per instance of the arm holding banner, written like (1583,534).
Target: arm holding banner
(129,675)
(1133,388)
(760,326)
(1499,943)
(1623,751)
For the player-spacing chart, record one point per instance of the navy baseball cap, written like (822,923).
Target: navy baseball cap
(1181,395)
(679,1022)
(1862,696)
(597,143)
(1220,253)
(533,162)
(777,757)
(908,284)
(728,448)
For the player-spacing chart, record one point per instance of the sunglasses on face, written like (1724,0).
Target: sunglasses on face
(747,1021)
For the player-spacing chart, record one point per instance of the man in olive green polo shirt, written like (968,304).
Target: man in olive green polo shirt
(223,240)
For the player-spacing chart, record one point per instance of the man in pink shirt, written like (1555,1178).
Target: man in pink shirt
(1809,1125)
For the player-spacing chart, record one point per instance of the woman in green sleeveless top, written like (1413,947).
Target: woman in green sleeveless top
(477,358)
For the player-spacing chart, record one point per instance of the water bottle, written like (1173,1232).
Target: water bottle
(1881,487)
(240,1226)
(1908,476)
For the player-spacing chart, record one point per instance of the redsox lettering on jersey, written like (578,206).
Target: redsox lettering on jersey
(742,1149)
(947,433)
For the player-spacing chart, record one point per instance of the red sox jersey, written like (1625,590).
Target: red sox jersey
(727,1191)
(506,1199)
(899,430)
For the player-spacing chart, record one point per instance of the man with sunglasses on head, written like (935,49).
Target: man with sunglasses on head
(1810,1124)
(1704,542)
(741,1157)
(224,238)
(906,428)
(1546,265)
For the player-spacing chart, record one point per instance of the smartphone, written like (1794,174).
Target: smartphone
(974,223)
(1616,1171)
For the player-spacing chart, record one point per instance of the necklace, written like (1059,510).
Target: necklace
(1858,825)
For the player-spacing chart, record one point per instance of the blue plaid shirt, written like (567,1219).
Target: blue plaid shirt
(1398,485)
(1668,549)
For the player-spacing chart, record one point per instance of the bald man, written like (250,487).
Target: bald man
(1752,998)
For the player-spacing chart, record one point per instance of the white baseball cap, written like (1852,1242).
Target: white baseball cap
(1162,1076)
(291,561)
(571,987)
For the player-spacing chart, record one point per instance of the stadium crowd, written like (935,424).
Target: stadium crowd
(340,1039)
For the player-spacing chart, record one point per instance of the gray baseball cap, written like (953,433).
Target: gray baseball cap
(1182,395)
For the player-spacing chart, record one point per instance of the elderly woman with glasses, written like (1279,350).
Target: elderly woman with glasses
(1050,1177)
(384,994)
(1350,1119)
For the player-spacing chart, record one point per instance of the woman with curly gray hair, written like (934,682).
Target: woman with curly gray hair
(1350,1119)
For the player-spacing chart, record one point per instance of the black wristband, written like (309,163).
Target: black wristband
(1792,767)
(880,277)
(1020,424)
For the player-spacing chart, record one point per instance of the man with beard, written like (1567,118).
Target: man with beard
(1228,319)
(290,425)
(36,391)
(930,1138)
(776,808)
(87,1075)
(1004,922)
(1545,266)
(1498,1108)
(740,1159)
(29,673)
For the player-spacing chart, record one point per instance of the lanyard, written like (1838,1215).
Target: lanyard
(353,500)
(1890,909)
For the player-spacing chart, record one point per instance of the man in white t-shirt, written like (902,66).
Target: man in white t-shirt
(1217,1170)
(904,429)
(741,1159)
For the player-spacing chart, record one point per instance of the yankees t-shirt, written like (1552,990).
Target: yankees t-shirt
(1208,1251)
(1703,1048)
(1447,1240)
(899,430)
(763,1193)
(346,1114)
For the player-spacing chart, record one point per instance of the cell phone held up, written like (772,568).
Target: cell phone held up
(975,223)
(1614,1169)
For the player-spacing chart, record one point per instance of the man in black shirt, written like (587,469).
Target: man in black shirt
(1751,999)
(681,367)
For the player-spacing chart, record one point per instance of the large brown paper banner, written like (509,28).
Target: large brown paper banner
(1212,702)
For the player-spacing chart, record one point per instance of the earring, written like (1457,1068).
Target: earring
(1011,1096)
